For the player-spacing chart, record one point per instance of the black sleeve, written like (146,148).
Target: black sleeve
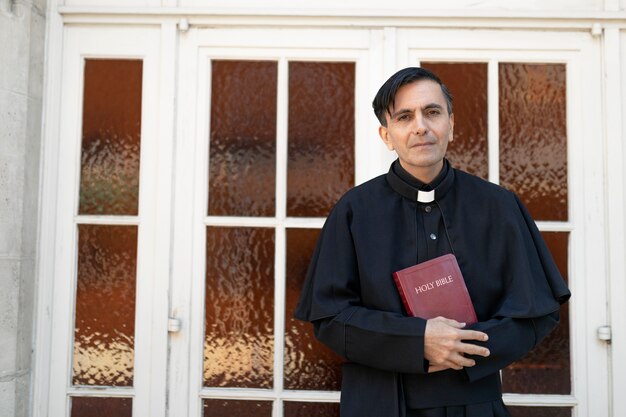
(509,340)
(377,339)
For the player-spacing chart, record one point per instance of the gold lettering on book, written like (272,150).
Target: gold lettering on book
(437,283)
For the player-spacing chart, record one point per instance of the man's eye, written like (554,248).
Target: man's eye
(434,112)
(403,117)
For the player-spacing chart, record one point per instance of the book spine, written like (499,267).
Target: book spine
(403,295)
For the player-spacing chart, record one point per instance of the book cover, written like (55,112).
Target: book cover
(436,288)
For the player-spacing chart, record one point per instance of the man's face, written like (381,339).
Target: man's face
(419,128)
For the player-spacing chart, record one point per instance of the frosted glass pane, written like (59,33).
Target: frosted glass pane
(105,305)
(109,177)
(468,84)
(308,363)
(540,411)
(101,407)
(533,137)
(242,155)
(239,336)
(321,136)
(302,409)
(546,370)
(237,408)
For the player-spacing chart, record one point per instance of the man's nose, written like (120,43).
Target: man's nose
(419,125)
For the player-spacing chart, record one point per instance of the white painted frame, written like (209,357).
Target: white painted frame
(197,50)
(579,52)
(148,392)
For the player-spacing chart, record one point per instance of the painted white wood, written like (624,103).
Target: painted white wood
(182,225)
(614,107)
(540,400)
(280,233)
(493,121)
(556,9)
(46,216)
(449,4)
(115,3)
(588,258)
(162,211)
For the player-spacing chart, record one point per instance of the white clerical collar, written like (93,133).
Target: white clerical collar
(425,196)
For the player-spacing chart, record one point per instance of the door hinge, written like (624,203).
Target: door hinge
(174,325)
(604,333)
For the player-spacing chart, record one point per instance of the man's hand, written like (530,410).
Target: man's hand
(444,347)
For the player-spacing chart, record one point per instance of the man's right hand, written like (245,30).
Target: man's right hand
(444,345)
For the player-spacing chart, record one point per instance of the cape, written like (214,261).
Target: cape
(372,232)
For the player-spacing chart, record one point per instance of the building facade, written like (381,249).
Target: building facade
(167,165)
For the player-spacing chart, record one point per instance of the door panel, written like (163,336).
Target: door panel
(270,160)
(536,120)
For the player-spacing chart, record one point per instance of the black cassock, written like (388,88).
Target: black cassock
(379,227)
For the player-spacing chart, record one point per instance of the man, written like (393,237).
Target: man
(423,208)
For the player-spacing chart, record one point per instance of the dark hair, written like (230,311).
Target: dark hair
(387,93)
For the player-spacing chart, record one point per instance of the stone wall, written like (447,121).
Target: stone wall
(22,30)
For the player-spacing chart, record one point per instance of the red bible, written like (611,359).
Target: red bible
(435,288)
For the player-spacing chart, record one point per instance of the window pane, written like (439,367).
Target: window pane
(533,137)
(546,370)
(321,136)
(105,305)
(101,407)
(238,408)
(302,409)
(308,363)
(109,178)
(242,156)
(467,83)
(540,411)
(239,336)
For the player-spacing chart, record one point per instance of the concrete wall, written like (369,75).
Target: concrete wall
(22,30)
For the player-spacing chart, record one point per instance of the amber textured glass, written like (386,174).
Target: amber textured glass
(105,305)
(242,155)
(308,363)
(111,137)
(238,408)
(320,165)
(101,407)
(305,409)
(540,411)
(546,370)
(239,336)
(467,82)
(533,137)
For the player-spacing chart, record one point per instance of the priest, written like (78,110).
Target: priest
(423,208)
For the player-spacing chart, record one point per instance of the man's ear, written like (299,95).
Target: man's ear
(384,135)
(451,128)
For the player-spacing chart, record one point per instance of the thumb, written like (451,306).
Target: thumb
(453,323)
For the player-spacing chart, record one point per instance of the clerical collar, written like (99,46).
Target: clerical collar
(412,188)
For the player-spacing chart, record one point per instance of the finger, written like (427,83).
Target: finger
(452,322)
(436,368)
(473,335)
(472,349)
(461,361)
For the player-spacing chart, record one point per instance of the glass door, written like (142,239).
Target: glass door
(521,122)
(271,126)
(108,341)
